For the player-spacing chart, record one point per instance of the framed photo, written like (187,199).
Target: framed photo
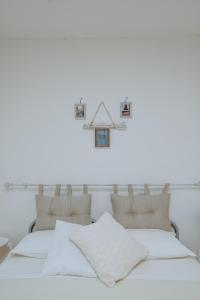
(125,110)
(102,137)
(80,111)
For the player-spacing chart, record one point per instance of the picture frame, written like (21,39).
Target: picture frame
(102,137)
(126,110)
(80,111)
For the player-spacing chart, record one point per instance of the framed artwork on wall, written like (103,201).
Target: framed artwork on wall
(126,109)
(80,111)
(102,137)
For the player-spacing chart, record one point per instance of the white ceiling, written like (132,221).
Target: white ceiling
(98,18)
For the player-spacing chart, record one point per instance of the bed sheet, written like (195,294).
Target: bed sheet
(162,269)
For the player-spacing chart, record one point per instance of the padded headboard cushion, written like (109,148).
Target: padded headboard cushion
(142,210)
(69,208)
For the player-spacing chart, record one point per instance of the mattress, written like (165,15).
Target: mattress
(77,288)
(174,279)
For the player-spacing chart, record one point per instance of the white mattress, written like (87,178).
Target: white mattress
(174,279)
(161,269)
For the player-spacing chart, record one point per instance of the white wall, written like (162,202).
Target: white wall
(41,142)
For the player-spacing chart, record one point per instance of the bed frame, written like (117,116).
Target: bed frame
(173,225)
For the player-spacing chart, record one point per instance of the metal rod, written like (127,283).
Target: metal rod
(100,187)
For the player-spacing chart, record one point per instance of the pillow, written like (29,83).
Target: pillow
(73,209)
(64,258)
(142,211)
(161,244)
(109,248)
(35,244)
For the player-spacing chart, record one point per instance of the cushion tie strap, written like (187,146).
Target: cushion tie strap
(115,189)
(130,189)
(69,190)
(85,189)
(166,188)
(146,189)
(41,189)
(57,190)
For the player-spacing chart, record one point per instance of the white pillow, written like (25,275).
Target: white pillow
(35,244)
(109,248)
(64,258)
(160,243)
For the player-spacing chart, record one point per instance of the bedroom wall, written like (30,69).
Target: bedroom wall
(41,142)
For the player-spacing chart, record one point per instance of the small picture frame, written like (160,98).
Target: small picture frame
(125,110)
(80,111)
(102,137)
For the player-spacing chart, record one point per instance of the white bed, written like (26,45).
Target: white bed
(21,278)
(167,271)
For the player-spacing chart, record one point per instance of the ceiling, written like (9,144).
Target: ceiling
(59,19)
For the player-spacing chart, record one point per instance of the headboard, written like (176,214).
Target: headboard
(32,187)
(173,225)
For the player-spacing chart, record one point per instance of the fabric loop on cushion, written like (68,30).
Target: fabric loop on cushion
(115,189)
(41,189)
(130,189)
(166,188)
(57,190)
(69,189)
(146,189)
(85,189)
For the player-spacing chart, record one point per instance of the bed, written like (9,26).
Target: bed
(21,278)
(163,274)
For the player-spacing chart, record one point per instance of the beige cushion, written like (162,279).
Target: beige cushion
(73,209)
(142,211)
(109,248)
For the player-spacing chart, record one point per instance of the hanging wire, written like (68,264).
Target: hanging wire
(107,111)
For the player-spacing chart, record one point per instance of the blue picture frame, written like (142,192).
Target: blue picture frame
(102,137)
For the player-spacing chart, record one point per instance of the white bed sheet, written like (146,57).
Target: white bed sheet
(21,267)
(161,269)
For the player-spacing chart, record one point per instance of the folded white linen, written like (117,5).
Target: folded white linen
(160,243)
(35,244)
(64,258)
(187,268)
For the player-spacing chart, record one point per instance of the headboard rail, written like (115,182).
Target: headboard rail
(173,225)
(9,186)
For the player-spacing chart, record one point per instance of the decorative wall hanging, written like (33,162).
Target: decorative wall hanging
(102,130)
(111,125)
(80,110)
(102,137)
(126,109)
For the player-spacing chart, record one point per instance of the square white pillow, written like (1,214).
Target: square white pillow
(35,244)
(109,248)
(64,258)
(160,243)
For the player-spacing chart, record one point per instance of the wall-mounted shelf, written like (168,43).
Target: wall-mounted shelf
(118,126)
